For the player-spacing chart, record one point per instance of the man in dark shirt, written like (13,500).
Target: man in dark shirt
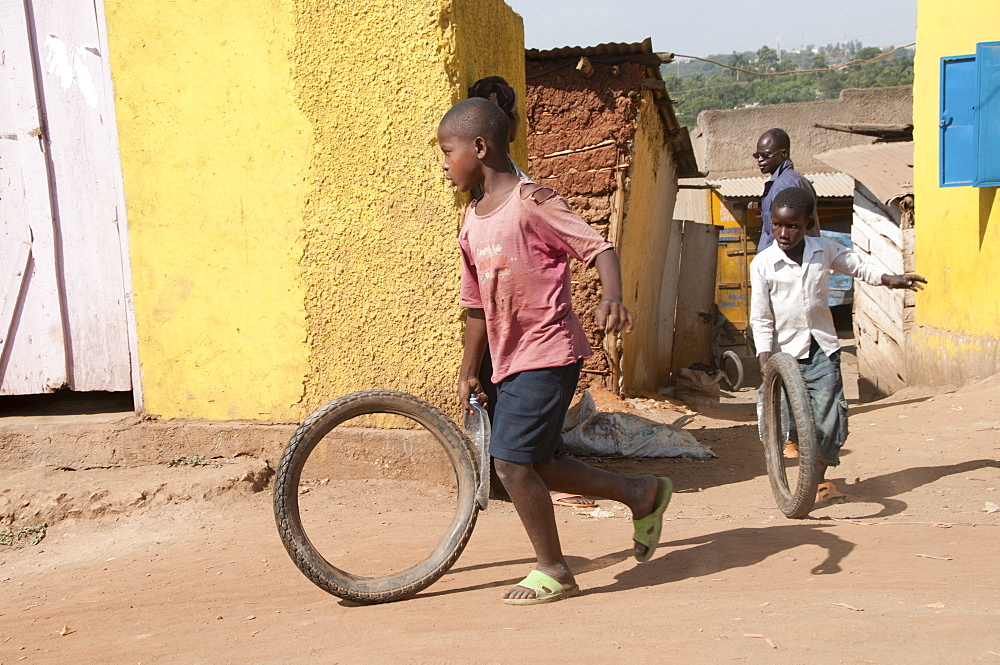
(773,158)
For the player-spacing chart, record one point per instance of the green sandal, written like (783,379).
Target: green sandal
(647,530)
(547,589)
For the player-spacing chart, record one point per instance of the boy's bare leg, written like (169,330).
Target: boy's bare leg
(566,474)
(531,500)
(528,486)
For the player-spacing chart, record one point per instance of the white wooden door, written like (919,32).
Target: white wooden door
(63,269)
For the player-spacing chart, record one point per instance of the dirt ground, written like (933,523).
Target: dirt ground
(184,564)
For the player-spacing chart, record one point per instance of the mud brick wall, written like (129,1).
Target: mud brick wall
(580,134)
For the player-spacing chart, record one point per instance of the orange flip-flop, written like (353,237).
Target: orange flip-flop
(828,492)
(791,450)
(564,499)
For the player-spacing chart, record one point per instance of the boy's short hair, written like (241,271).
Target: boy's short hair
(478,117)
(795,198)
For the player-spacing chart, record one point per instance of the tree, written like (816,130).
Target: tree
(712,87)
(767,58)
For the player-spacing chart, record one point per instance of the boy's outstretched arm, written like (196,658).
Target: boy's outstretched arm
(475,346)
(610,313)
(851,262)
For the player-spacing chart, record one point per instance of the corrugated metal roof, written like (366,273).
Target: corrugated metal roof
(637,48)
(884,168)
(827,185)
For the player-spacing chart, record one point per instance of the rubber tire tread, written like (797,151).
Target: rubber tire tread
(406,583)
(797,502)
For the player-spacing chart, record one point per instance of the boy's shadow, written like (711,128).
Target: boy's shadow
(691,557)
(879,489)
(714,553)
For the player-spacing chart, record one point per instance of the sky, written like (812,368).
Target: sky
(703,27)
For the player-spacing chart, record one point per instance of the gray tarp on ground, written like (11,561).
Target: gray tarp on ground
(589,432)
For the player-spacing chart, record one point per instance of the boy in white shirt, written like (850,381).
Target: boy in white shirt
(789,313)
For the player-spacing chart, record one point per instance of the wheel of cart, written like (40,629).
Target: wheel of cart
(375,496)
(785,413)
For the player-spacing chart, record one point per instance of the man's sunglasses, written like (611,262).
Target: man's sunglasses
(765,155)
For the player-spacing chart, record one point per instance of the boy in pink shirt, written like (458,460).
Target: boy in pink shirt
(516,242)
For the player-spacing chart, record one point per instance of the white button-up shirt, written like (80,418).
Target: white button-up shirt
(788,301)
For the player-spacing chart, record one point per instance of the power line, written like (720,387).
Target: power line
(796,71)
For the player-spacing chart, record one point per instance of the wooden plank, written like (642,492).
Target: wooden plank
(694,312)
(884,342)
(880,247)
(881,359)
(13,297)
(876,214)
(888,303)
(875,217)
(887,324)
(78,103)
(123,228)
(34,355)
(908,241)
(668,302)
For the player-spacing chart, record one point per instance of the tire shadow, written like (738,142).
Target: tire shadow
(881,489)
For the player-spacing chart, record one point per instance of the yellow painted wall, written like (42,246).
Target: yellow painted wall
(382,263)
(492,45)
(642,246)
(957,228)
(293,237)
(215,156)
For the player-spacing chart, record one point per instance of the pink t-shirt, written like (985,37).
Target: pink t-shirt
(515,267)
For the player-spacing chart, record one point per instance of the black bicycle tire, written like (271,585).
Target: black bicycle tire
(406,583)
(783,370)
(733,357)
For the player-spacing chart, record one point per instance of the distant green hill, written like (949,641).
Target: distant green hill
(696,86)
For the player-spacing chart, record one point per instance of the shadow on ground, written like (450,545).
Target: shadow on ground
(881,489)
(857,410)
(701,556)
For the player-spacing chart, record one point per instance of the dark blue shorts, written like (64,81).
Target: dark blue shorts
(530,410)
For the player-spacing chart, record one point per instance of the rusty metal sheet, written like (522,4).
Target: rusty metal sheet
(884,168)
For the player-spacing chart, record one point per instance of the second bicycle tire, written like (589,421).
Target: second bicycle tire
(783,371)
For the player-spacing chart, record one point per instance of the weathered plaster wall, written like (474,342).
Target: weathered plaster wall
(293,237)
(957,228)
(492,45)
(621,178)
(567,112)
(381,262)
(214,154)
(642,245)
(724,140)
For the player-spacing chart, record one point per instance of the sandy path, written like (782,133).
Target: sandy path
(906,572)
